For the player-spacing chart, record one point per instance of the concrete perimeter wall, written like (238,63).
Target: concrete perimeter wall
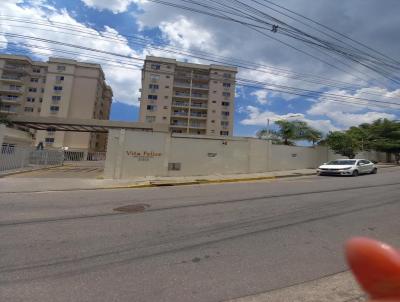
(136,153)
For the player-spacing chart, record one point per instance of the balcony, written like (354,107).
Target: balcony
(182,75)
(199,105)
(199,115)
(5,99)
(180,104)
(8,109)
(180,113)
(182,84)
(12,90)
(182,95)
(18,68)
(200,77)
(200,96)
(179,124)
(12,79)
(198,126)
(200,86)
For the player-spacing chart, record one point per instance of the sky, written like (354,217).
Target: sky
(128,27)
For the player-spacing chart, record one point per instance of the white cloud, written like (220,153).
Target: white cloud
(116,6)
(258,118)
(261,96)
(347,115)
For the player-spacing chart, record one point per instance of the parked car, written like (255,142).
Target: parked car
(350,167)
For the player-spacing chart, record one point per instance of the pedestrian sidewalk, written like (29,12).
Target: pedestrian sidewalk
(15,185)
(26,185)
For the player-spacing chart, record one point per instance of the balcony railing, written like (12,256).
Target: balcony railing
(180,113)
(200,86)
(182,84)
(179,104)
(181,94)
(8,77)
(199,96)
(198,114)
(14,67)
(199,105)
(200,77)
(8,109)
(182,124)
(8,99)
(203,126)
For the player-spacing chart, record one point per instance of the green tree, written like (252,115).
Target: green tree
(290,131)
(343,143)
(385,137)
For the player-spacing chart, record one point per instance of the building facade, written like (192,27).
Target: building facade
(61,88)
(191,98)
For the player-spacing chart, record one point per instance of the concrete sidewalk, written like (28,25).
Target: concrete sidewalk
(26,185)
(21,185)
(339,287)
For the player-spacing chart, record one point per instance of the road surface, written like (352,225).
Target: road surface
(188,243)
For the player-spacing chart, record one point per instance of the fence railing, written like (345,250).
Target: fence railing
(84,156)
(12,157)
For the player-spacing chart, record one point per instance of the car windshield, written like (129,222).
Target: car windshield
(341,162)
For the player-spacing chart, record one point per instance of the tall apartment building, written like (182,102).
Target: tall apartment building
(191,98)
(61,88)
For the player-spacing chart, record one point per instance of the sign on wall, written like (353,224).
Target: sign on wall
(143,155)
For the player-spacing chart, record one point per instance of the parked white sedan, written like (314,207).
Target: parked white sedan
(353,167)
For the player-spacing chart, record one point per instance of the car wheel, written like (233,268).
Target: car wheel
(355,173)
(374,171)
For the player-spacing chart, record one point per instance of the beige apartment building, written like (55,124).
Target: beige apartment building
(59,88)
(191,98)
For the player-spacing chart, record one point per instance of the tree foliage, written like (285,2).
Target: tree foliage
(381,135)
(290,131)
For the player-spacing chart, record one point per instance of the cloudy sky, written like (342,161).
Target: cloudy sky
(129,28)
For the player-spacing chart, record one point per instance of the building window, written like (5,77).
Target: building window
(56,98)
(226,85)
(151,107)
(12,97)
(36,70)
(39,110)
(34,80)
(174,166)
(214,91)
(168,66)
(40,100)
(54,108)
(30,99)
(49,140)
(28,109)
(32,89)
(224,123)
(60,68)
(42,90)
(224,133)
(226,94)
(150,119)
(164,118)
(58,88)
(167,76)
(155,66)
(44,80)
(59,78)
(213,121)
(167,86)
(165,107)
(214,102)
(226,104)
(154,77)
(215,72)
(227,75)
(166,97)
(152,97)
(225,113)
(153,86)
(14,87)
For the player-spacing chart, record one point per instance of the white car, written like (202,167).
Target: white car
(353,167)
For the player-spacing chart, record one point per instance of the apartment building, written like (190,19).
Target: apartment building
(61,88)
(191,98)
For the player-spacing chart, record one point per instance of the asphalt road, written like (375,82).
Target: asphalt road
(188,243)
